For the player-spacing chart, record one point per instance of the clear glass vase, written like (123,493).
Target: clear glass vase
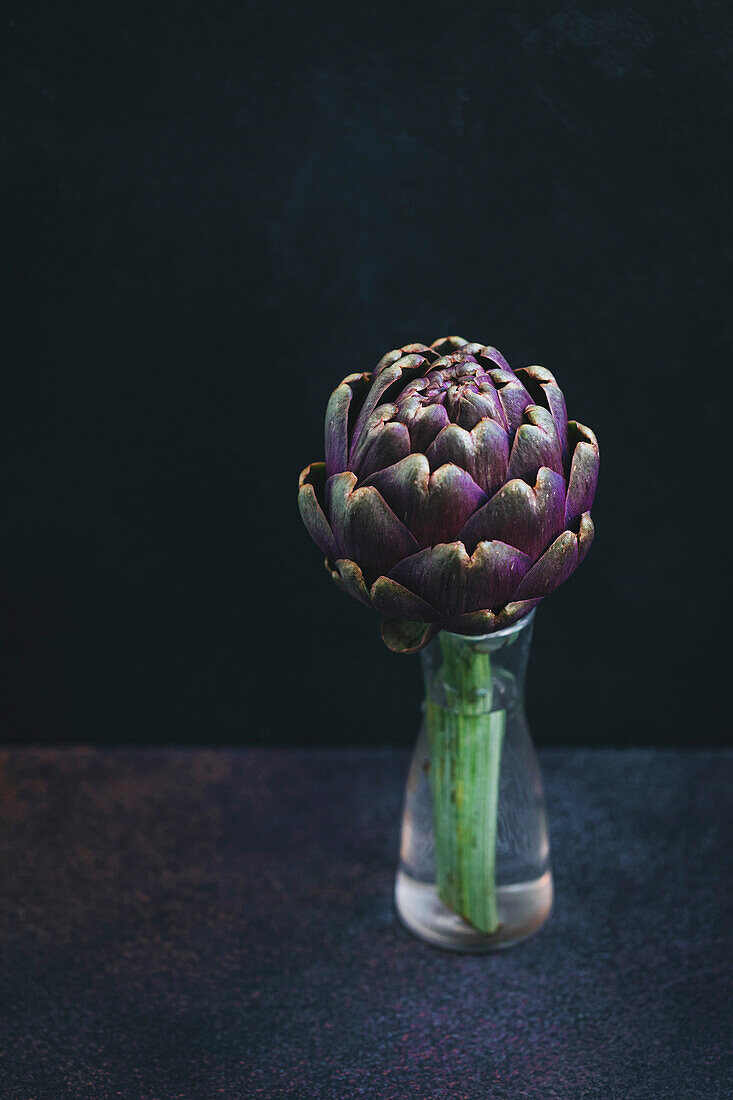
(474,871)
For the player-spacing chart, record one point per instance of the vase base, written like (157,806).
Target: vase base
(523,909)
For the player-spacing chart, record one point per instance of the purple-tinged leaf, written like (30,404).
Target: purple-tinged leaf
(446,345)
(388,360)
(453,582)
(586,534)
(352,580)
(385,388)
(543,389)
(393,357)
(491,357)
(311,498)
(466,407)
(488,622)
(344,400)
(374,397)
(388,446)
(583,472)
(397,602)
(520,515)
(488,390)
(471,622)
(513,396)
(373,427)
(425,424)
(434,506)
(468,349)
(535,445)
(554,567)
(365,527)
(513,612)
(483,452)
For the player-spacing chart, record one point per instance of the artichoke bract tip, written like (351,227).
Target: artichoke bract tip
(455,494)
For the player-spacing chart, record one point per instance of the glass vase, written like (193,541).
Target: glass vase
(474,871)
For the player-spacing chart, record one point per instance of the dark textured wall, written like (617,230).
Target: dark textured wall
(213,212)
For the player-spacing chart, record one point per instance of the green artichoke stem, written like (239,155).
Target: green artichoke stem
(465,750)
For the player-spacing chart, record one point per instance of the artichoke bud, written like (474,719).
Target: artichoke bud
(455,492)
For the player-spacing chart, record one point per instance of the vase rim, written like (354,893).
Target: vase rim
(520,624)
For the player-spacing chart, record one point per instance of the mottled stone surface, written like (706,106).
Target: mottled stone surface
(195,924)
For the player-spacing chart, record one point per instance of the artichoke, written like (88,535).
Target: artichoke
(455,493)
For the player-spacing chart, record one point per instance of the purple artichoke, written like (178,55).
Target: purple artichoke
(455,493)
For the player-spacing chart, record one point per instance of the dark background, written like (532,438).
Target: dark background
(214,211)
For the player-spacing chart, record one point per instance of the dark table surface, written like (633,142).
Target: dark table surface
(220,923)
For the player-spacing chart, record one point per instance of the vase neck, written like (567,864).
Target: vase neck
(468,673)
